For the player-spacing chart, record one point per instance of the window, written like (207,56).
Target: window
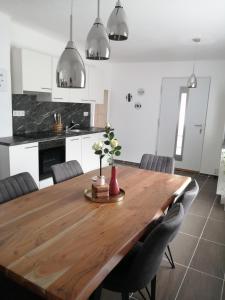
(181,124)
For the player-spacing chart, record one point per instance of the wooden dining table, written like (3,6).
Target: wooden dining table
(61,245)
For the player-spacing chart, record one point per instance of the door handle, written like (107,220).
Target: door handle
(198,125)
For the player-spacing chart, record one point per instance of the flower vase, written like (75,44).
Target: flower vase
(114,188)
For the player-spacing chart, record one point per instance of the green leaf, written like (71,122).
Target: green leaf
(117,153)
(111,135)
(106,150)
(107,142)
(105,135)
(98,152)
(118,148)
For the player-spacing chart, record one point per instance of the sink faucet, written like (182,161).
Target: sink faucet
(75,125)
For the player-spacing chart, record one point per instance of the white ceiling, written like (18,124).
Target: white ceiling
(159,29)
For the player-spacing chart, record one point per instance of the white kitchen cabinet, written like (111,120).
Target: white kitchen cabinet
(96,85)
(58,94)
(221,178)
(73,149)
(18,159)
(31,71)
(90,161)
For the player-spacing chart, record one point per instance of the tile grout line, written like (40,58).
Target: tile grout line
(188,267)
(195,236)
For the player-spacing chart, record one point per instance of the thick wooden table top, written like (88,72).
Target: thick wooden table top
(62,246)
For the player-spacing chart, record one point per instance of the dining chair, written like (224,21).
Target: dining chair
(157,163)
(66,171)
(141,265)
(16,186)
(186,198)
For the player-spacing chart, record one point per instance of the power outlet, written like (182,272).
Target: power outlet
(86,113)
(19,113)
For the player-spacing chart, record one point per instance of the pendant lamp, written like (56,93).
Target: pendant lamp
(70,72)
(192,80)
(117,24)
(97,44)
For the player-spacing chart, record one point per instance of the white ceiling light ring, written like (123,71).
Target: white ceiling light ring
(70,71)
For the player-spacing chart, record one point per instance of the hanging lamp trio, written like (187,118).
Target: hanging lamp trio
(70,72)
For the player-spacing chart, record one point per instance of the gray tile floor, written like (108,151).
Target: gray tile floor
(198,251)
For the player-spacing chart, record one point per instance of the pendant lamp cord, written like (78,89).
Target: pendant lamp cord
(98,11)
(71,20)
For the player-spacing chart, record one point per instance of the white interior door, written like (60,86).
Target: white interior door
(182,121)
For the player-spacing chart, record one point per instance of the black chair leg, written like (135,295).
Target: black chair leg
(147,290)
(142,295)
(153,288)
(170,257)
(125,296)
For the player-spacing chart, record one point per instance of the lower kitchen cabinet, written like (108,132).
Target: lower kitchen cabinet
(80,149)
(73,149)
(18,159)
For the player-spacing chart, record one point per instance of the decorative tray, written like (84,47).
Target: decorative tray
(111,199)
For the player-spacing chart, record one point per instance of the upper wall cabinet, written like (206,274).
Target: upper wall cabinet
(96,85)
(31,71)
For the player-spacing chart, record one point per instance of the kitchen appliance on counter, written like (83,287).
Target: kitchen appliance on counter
(51,152)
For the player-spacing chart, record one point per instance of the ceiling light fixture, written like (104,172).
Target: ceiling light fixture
(97,44)
(117,24)
(70,72)
(192,80)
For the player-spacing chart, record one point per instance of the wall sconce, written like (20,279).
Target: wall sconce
(129,97)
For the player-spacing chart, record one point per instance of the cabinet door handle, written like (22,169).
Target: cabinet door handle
(44,88)
(58,98)
(87,137)
(89,101)
(74,140)
(31,147)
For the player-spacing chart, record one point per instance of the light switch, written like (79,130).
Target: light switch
(18,113)
(3,85)
(86,113)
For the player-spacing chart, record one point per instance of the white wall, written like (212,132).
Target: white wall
(137,130)
(5,97)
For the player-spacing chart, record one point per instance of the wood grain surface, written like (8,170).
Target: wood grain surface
(62,246)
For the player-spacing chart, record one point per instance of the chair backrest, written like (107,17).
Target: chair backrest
(16,186)
(188,196)
(65,171)
(157,163)
(147,261)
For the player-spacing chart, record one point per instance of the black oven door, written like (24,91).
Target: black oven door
(50,153)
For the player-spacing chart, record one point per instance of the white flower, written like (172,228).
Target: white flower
(114,143)
(97,146)
(108,125)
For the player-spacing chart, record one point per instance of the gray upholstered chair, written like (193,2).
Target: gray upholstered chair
(157,163)
(186,199)
(140,266)
(65,171)
(16,186)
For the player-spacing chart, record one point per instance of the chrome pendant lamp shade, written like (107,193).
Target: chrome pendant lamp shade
(117,24)
(70,72)
(97,44)
(192,81)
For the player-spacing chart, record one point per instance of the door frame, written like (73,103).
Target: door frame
(160,108)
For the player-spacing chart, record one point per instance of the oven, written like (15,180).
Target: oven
(51,152)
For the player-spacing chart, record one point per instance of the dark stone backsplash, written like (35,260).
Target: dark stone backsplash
(39,116)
